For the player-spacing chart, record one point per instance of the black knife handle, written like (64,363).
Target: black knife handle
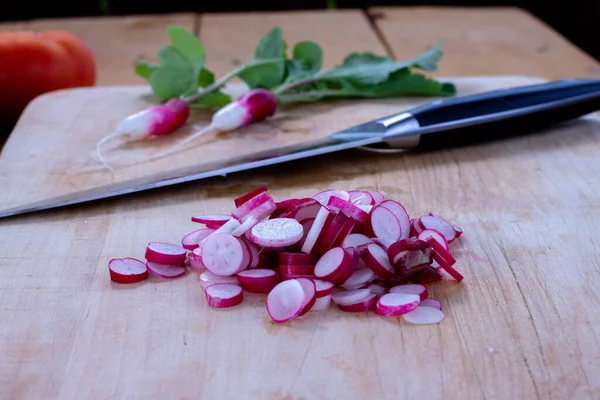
(504,113)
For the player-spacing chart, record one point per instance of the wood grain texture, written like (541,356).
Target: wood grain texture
(484,41)
(523,325)
(117,42)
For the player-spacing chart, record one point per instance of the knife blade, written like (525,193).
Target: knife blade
(440,124)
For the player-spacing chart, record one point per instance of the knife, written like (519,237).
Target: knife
(440,124)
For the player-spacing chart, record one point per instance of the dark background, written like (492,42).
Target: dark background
(575,19)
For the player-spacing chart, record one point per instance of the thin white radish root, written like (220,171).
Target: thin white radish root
(223,295)
(128,270)
(207,279)
(277,232)
(165,253)
(411,288)
(394,304)
(424,315)
(224,254)
(165,271)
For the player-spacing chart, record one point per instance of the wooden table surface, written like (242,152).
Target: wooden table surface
(543,351)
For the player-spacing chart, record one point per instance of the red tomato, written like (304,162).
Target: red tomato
(33,63)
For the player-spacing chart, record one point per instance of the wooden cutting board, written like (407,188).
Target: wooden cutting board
(526,312)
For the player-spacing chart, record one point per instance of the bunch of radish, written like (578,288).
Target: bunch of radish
(354,248)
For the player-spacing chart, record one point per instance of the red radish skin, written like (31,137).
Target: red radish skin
(284,206)
(127,270)
(425,275)
(355,240)
(415,227)
(331,230)
(324,288)
(401,215)
(394,304)
(244,198)
(344,232)
(211,219)
(254,254)
(445,259)
(192,240)
(277,232)
(288,277)
(258,280)
(286,301)
(361,198)
(431,303)
(165,253)
(195,259)
(323,197)
(411,288)
(335,203)
(247,256)
(383,243)
(383,224)
(377,260)
(335,266)
(350,296)
(435,235)
(438,224)
(377,288)
(207,279)
(224,295)
(224,254)
(322,303)
(359,279)
(367,304)
(261,212)
(410,255)
(306,209)
(315,230)
(251,204)
(424,315)
(310,294)
(306,225)
(296,269)
(286,258)
(165,271)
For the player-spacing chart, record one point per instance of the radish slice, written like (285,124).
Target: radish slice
(285,206)
(261,212)
(128,270)
(335,203)
(212,219)
(384,224)
(377,288)
(361,198)
(207,279)
(415,227)
(366,209)
(355,240)
(457,230)
(224,295)
(306,225)
(425,276)
(165,253)
(305,209)
(378,197)
(245,226)
(438,224)
(258,280)
(383,243)
(323,197)
(367,304)
(165,271)
(195,259)
(254,254)
(224,255)
(310,294)
(321,303)
(277,232)
(296,269)
(253,193)
(315,230)
(394,304)
(285,277)
(324,288)
(444,258)
(359,279)
(228,227)
(286,301)
(424,315)
(401,214)
(411,288)
(431,303)
(251,204)
(193,239)
(329,233)
(335,266)
(286,258)
(350,296)
(410,255)
(344,232)
(377,260)
(435,235)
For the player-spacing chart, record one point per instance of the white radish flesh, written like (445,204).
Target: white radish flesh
(431,303)
(378,197)
(322,303)
(224,295)
(435,235)
(411,288)
(401,214)
(251,204)
(165,271)
(305,210)
(286,301)
(368,304)
(211,219)
(335,266)
(224,254)
(377,260)
(323,197)
(228,227)
(245,226)
(192,240)
(366,209)
(384,224)
(444,258)
(127,270)
(315,230)
(335,203)
(361,198)
(438,224)
(195,259)
(165,253)
(258,280)
(355,240)
(207,279)
(324,288)
(394,304)
(350,296)
(424,315)
(359,279)
(277,232)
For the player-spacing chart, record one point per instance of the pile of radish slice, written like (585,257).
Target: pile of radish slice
(355,248)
